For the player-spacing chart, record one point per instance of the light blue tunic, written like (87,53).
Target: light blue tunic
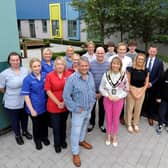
(12,83)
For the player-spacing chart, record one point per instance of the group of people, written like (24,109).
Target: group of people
(119,82)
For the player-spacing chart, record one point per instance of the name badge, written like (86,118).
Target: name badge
(114,91)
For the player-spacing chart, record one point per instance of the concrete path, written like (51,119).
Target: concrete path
(145,149)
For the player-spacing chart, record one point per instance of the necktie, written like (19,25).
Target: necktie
(150,65)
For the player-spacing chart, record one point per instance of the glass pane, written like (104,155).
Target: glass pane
(72,28)
(32,28)
(55,28)
(44,25)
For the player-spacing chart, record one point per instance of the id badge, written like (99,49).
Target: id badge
(114,91)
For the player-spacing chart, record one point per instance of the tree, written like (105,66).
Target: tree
(120,20)
(96,14)
(141,19)
(147,19)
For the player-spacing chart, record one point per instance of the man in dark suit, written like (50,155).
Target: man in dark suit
(155,67)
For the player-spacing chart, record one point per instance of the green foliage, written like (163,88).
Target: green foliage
(148,16)
(96,14)
(164,58)
(160,38)
(139,18)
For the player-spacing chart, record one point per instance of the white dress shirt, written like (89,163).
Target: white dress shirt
(153,60)
(90,57)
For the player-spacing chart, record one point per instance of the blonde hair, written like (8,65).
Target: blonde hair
(59,58)
(75,54)
(46,50)
(90,43)
(121,44)
(69,47)
(119,61)
(135,60)
(33,60)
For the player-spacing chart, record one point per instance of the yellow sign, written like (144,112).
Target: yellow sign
(55,20)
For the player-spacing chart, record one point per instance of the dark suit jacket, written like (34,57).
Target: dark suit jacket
(156,73)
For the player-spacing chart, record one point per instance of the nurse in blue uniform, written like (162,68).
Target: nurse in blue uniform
(35,98)
(47,64)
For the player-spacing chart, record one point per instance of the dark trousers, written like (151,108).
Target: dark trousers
(40,127)
(58,122)
(163,113)
(18,119)
(101,113)
(151,106)
(122,113)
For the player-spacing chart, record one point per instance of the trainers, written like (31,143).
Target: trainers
(130,129)
(159,129)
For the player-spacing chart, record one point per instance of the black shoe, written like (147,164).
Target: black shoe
(90,128)
(27,135)
(166,128)
(57,148)
(19,140)
(64,145)
(46,142)
(102,129)
(159,129)
(38,145)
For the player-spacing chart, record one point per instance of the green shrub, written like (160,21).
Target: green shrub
(161,38)
(164,58)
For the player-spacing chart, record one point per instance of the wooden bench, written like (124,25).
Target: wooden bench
(33,43)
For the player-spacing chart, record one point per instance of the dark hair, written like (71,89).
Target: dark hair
(153,46)
(132,43)
(14,53)
(110,44)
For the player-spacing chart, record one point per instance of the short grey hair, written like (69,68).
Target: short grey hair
(84,59)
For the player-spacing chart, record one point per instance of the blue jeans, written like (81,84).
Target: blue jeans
(79,127)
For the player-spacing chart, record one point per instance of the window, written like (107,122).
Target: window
(72,28)
(44,26)
(55,28)
(32,28)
